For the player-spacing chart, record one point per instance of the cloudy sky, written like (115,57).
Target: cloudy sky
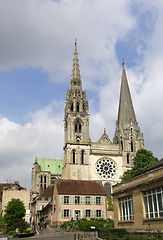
(36,52)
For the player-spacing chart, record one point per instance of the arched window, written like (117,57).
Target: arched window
(132,146)
(73,156)
(107,189)
(128,158)
(41,178)
(121,145)
(82,157)
(78,127)
(77,107)
(71,108)
(45,179)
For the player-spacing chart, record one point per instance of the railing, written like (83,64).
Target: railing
(82,235)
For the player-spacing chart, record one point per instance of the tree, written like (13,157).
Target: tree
(14,212)
(2,222)
(142,161)
(110,202)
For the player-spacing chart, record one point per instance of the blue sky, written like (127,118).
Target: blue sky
(36,53)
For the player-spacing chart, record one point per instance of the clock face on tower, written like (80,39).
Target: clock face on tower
(106,168)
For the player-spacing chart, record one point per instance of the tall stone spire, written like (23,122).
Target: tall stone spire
(127,133)
(75,78)
(126,113)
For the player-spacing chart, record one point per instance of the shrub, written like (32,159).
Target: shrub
(10,233)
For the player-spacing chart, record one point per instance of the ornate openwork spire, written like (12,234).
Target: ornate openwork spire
(75,78)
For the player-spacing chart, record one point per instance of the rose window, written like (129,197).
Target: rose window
(106,168)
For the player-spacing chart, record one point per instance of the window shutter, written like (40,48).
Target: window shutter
(91,200)
(73,200)
(94,200)
(62,199)
(81,198)
(70,213)
(62,213)
(102,200)
(92,214)
(84,213)
(102,211)
(70,200)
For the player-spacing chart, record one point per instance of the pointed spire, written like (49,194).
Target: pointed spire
(126,113)
(75,79)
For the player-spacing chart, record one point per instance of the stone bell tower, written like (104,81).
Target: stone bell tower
(76,128)
(127,133)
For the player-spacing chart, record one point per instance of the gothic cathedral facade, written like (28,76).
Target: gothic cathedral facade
(102,160)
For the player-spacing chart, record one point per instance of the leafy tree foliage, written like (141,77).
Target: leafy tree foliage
(110,202)
(2,221)
(142,161)
(14,212)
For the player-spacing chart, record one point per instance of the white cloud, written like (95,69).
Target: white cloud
(42,137)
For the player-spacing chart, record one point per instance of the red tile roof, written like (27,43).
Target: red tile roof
(47,193)
(80,187)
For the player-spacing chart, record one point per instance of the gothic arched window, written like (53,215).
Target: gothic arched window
(132,146)
(82,157)
(128,158)
(78,127)
(73,156)
(71,108)
(77,107)
(121,145)
(107,189)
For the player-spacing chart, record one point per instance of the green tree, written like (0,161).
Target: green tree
(2,221)
(142,161)
(110,202)
(14,212)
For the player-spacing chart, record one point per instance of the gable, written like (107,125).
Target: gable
(104,139)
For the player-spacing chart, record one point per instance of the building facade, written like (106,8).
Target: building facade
(138,202)
(76,199)
(14,190)
(103,160)
(44,173)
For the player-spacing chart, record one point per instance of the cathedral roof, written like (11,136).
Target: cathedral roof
(80,187)
(51,165)
(126,114)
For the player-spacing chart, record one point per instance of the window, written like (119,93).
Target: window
(82,157)
(126,208)
(88,213)
(128,159)
(71,108)
(66,213)
(98,213)
(78,127)
(98,200)
(66,199)
(107,189)
(77,107)
(77,200)
(132,146)
(153,202)
(87,200)
(121,145)
(73,153)
(45,179)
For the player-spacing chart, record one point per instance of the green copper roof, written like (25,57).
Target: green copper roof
(51,165)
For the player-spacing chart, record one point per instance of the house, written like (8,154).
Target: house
(78,199)
(2,185)
(138,202)
(14,190)
(41,206)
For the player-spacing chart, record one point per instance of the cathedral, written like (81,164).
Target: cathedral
(103,160)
